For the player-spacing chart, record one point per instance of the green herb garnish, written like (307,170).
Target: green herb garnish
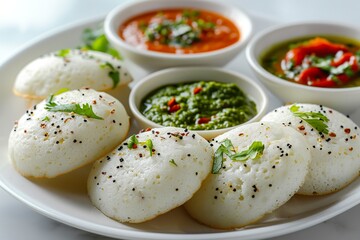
(225,147)
(172,161)
(63,52)
(85,109)
(62,90)
(316,120)
(113,73)
(149,145)
(46,119)
(181,32)
(133,141)
(96,40)
(255,151)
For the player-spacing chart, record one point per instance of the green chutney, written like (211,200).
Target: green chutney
(202,105)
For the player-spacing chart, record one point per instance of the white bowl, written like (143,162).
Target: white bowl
(345,100)
(189,74)
(151,60)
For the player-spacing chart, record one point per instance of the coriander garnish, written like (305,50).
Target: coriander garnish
(225,147)
(85,109)
(182,32)
(63,52)
(96,40)
(113,73)
(46,119)
(255,151)
(316,120)
(149,145)
(172,161)
(133,142)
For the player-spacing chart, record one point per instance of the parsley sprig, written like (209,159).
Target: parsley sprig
(315,119)
(254,151)
(85,109)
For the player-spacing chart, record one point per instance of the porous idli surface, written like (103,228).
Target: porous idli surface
(243,191)
(71,69)
(44,143)
(136,184)
(335,154)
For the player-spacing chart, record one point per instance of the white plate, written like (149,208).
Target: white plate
(64,199)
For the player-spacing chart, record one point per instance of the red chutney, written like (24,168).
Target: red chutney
(318,62)
(179,31)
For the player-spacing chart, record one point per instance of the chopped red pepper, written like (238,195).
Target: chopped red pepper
(320,63)
(310,74)
(197,90)
(203,120)
(346,57)
(318,46)
(171,102)
(174,108)
(173,105)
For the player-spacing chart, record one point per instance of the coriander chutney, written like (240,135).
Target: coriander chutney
(202,105)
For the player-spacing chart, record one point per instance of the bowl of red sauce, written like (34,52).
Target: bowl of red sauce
(314,62)
(160,33)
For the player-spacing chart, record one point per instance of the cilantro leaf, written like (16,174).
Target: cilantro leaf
(149,145)
(96,40)
(225,147)
(172,161)
(46,119)
(316,120)
(133,141)
(113,73)
(255,151)
(85,109)
(63,52)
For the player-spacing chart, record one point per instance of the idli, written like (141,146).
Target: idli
(257,168)
(71,69)
(67,131)
(149,174)
(334,144)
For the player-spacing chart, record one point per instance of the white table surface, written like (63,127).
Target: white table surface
(24,20)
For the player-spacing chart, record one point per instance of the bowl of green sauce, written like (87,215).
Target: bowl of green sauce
(310,62)
(208,100)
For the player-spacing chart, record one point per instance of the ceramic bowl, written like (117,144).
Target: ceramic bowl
(151,60)
(189,74)
(345,100)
